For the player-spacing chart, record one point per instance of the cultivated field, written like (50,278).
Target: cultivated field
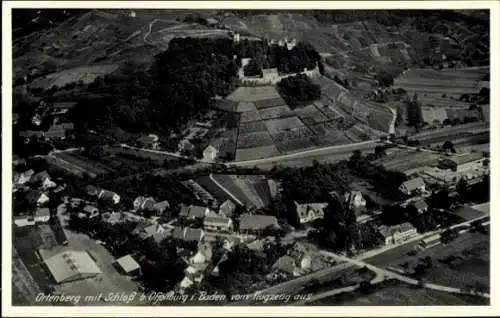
(276,112)
(78,165)
(86,74)
(243,154)
(277,125)
(394,293)
(256,139)
(250,116)
(246,107)
(273,102)
(252,126)
(294,139)
(430,81)
(404,160)
(311,112)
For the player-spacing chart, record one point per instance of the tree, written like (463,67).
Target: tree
(380,151)
(448,146)
(463,188)
(414,112)
(298,90)
(385,79)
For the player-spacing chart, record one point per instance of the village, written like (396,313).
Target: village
(236,165)
(229,214)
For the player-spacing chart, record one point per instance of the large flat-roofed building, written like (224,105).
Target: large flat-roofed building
(71,265)
(463,163)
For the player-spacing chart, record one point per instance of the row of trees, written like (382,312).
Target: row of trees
(177,87)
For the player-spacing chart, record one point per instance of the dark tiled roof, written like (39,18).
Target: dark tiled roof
(256,221)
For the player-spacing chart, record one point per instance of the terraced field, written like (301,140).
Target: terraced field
(429,81)
(281,124)
(255,139)
(276,112)
(252,126)
(86,74)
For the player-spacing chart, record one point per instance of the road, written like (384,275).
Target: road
(295,285)
(340,152)
(160,152)
(389,274)
(309,155)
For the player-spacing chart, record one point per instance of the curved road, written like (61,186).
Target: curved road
(405,279)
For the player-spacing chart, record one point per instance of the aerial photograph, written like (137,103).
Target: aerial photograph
(181,157)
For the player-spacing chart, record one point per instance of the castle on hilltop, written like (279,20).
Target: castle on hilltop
(290,44)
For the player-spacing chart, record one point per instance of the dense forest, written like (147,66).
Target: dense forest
(179,85)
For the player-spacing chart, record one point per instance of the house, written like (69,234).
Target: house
(485,112)
(256,223)
(92,191)
(60,108)
(421,206)
(355,202)
(108,196)
(18,161)
(398,233)
(218,224)
(146,230)
(161,206)
(301,255)
(36,119)
(150,141)
(58,131)
(144,203)
(27,134)
(308,212)
(211,152)
(37,197)
(270,75)
(128,265)
(463,114)
(193,212)
(23,177)
(227,208)
(188,234)
(42,215)
(42,179)
(463,163)
(274,188)
(71,266)
(413,186)
(185,145)
(90,210)
(55,132)
(286,264)
(430,241)
(23,220)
